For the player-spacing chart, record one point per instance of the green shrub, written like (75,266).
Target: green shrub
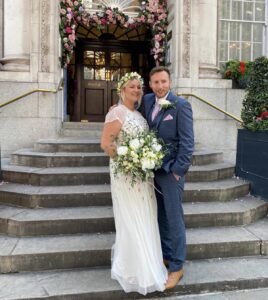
(255,104)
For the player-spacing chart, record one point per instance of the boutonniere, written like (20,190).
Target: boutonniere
(165,104)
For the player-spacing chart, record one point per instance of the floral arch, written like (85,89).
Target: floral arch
(153,14)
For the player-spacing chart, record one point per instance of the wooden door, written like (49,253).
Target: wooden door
(100,67)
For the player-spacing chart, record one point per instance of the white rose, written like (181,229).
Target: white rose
(147,164)
(156,147)
(122,150)
(134,144)
(142,142)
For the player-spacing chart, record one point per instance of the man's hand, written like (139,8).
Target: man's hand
(177,177)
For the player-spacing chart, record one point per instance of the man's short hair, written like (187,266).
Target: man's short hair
(159,69)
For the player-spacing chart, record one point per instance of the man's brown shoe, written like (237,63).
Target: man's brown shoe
(173,279)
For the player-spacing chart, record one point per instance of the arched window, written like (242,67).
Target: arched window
(128,7)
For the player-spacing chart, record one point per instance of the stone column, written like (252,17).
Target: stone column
(208,38)
(1,28)
(17,35)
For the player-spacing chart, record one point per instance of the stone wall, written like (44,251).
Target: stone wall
(29,119)
(38,115)
(213,129)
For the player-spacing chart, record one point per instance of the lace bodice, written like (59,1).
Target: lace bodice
(132,122)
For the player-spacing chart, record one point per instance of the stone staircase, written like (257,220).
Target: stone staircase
(57,227)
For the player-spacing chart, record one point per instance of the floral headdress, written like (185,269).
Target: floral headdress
(126,78)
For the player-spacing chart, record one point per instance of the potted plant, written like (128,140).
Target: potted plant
(252,143)
(238,71)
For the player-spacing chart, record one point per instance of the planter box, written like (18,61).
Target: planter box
(239,83)
(252,160)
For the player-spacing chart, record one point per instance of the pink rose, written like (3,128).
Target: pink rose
(103,21)
(68,30)
(71,38)
(157,37)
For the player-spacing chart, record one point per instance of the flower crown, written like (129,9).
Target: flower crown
(126,78)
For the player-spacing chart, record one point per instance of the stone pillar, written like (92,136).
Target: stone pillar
(1,28)
(17,35)
(208,38)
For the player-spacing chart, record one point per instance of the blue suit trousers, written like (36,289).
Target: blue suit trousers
(169,193)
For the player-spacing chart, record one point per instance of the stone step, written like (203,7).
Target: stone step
(244,294)
(236,212)
(100,175)
(201,276)
(77,129)
(205,157)
(85,133)
(29,222)
(29,157)
(68,145)
(94,250)
(56,176)
(210,172)
(83,125)
(95,195)
(201,156)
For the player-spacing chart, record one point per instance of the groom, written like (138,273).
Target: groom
(173,123)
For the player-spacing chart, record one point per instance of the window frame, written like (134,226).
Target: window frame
(240,22)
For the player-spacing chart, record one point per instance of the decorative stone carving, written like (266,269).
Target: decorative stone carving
(186,38)
(45,33)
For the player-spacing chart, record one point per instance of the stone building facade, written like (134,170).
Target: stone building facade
(30,53)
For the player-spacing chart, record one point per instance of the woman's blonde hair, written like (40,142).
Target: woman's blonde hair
(123,83)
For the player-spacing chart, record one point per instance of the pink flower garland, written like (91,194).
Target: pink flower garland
(154,14)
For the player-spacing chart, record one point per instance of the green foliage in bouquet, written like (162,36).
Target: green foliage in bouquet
(255,105)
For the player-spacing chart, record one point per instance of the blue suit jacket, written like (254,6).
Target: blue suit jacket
(176,131)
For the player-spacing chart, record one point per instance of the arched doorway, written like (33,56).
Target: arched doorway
(101,57)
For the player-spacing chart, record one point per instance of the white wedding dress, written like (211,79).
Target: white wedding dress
(137,262)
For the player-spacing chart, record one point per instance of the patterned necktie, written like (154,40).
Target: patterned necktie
(155,110)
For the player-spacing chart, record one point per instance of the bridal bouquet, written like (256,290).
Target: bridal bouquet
(139,156)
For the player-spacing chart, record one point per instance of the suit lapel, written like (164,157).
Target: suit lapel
(160,115)
(149,111)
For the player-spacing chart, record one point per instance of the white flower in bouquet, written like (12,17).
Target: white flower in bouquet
(135,144)
(156,147)
(142,141)
(122,150)
(147,164)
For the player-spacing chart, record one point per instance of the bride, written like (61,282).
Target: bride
(137,261)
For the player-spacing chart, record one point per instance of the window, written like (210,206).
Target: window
(241,29)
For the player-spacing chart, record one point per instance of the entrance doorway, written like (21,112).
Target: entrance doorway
(99,65)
